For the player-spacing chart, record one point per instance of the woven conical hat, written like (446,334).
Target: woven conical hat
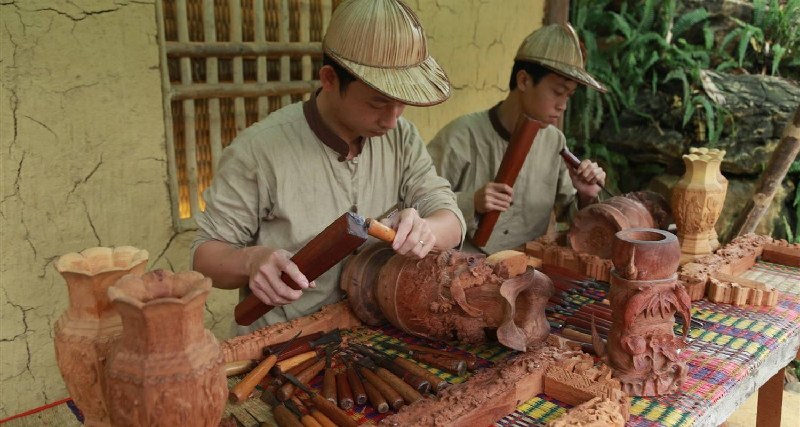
(383,44)
(557,47)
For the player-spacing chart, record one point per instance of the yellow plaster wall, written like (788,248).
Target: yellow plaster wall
(475,42)
(83,157)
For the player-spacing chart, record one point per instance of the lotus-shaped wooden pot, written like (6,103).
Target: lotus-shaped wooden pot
(85,331)
(166,369)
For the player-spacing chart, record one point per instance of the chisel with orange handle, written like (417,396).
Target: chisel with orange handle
(241,391)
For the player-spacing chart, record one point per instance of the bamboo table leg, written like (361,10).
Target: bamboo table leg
(770,399)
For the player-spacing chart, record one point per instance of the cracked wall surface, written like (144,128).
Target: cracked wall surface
(475,42)
(83,160)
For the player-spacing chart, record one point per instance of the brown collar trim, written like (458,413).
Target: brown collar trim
(324,133)
(494,118)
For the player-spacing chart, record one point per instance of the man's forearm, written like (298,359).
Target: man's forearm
(446,227)
(226,265)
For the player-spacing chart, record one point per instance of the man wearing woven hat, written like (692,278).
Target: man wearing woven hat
(287,177)
(547,69)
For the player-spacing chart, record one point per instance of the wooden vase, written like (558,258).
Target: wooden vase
(697,203)
(449,295)
(166,369)
(85,331)
(645,294)
(716,155)
(594,226)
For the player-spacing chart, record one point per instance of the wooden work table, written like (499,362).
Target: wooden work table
(737,351)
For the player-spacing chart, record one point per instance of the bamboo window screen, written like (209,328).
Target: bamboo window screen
(225,65)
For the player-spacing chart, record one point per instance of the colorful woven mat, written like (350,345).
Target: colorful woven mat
(730,345)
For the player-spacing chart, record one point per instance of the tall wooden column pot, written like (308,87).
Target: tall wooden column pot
(166,369)
(85,331)
(716,155)
(645,294)
(697,203)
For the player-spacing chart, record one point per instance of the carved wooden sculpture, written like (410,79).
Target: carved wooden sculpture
(166,369)
(645,295)
(594,226)
(598,412)
(521,142)
(717,275)
(449,295)
(85,332)
(696,204)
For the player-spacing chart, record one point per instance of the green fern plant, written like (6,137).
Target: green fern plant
(629,50)
(770,43)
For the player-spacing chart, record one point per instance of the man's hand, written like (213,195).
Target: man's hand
(265,268)
(414,236)
(494,196)
(585,179)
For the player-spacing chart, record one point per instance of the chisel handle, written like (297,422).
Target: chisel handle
(437,384)
(329,385)
(410,395)
(343,391)
(304,377)
(454,366)
(241,391)
(356,386)
(376,398)
(339,417)
(394,398)
(284,417)
(321,418)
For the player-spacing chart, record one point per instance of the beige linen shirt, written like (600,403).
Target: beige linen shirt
(284,179)
(468,151)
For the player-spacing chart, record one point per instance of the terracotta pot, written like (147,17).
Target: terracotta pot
(696,204)
(166,369)
(645,253)
(450,295)
(593,227)
(85,331)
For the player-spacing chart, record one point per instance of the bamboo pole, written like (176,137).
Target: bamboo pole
(238,69)
(261,62)
(305,37)
(556,12)
(769,182)
(326,16)
(188,112)
(244,49)
(225,90)
(169,135)
(283,36)
(212,77)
